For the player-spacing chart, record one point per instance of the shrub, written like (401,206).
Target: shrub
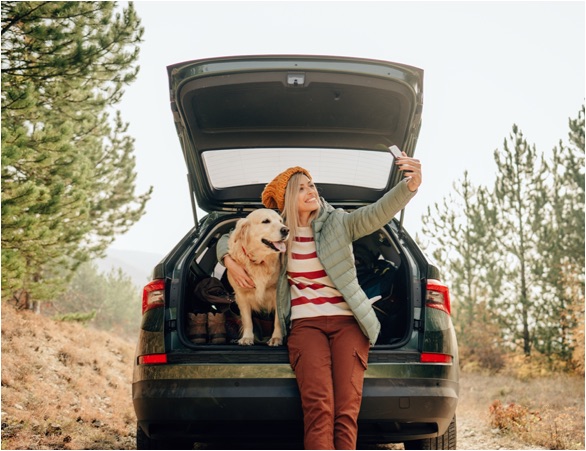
(78,317)
(480,346)
(512,417)
(551,428)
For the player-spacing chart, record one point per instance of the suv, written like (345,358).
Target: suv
(242,120)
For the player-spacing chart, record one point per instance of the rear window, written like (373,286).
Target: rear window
(242,167)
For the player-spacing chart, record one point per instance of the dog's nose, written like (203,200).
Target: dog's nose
(284,231)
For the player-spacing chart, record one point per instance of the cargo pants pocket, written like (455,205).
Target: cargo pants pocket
(294,358)
(359,367)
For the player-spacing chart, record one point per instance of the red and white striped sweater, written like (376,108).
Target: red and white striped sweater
(312,292)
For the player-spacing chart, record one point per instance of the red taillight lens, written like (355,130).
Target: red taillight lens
(438,296)
(432,357)
(152,359)
(153,295)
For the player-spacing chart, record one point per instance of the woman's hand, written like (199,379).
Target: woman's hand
(411,169)
(238,273)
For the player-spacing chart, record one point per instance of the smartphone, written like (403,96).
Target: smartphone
(395,151)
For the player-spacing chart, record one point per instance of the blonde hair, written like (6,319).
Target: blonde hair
(290,212)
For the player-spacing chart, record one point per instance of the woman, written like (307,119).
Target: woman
(330,321)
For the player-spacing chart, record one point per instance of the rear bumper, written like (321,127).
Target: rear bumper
(211,409)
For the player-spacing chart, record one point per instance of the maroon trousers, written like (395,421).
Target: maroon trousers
(329,355)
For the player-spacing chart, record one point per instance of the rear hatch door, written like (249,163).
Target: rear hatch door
(241,120)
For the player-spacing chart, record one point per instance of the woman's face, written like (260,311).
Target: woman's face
(307,197)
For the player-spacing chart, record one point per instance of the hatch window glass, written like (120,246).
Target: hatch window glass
(241,167)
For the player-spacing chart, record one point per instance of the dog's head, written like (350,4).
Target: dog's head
(260,234)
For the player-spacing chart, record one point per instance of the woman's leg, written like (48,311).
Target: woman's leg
(309,354)
(349,347)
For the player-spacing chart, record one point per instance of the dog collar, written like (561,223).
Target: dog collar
(250,258)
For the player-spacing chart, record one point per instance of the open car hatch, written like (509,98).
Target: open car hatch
(241,120)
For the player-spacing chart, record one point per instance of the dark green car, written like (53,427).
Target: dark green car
(240,121)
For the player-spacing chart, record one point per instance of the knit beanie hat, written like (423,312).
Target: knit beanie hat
(274,193)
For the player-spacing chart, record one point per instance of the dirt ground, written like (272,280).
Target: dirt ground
(66,386)
(473,422)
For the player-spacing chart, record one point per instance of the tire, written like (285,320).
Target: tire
(445,441)
(143,441)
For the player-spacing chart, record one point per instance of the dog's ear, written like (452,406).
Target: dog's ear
(240,231)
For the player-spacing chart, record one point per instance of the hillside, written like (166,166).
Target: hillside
(136,264)
(66,386)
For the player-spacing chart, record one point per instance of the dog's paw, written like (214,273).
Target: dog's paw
(276,341)
(246,341)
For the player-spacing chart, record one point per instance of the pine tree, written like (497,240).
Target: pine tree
(517,253)
(573,157)
(561,245)
(461,239)
(68,180)
(109,300)
(575,167)
(519,201)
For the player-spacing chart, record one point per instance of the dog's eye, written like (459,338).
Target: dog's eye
(266,221)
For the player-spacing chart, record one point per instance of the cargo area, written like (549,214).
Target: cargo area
(382,269)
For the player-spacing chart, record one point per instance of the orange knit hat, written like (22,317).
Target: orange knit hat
(274,193)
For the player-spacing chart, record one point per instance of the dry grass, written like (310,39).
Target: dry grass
(64,386)
(546,411)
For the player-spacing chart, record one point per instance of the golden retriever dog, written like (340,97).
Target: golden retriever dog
(256,243)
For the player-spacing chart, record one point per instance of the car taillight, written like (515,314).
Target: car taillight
(152,359)
(438,296)
(153,295)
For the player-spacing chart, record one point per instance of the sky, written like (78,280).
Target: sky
(487,66)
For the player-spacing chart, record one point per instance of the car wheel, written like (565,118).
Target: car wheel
(445,441)
(143,441)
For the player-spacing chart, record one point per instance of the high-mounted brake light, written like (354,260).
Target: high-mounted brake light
(153,295)
(438,296)
(152,359)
